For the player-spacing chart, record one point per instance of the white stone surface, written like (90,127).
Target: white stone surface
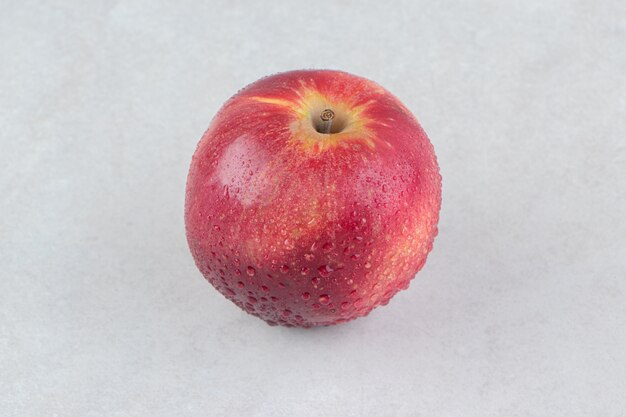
(520,310)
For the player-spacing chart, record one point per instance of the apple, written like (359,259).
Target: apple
(312,198)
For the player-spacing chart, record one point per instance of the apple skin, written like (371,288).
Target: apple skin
(302,228)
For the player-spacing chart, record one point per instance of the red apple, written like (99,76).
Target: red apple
(312,198)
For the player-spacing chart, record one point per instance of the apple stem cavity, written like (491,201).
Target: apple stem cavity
(327,117)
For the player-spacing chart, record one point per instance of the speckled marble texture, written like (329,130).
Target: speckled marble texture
(519,311)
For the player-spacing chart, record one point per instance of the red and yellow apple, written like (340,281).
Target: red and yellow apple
(312,198)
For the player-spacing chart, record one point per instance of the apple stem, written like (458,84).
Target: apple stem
(327,117)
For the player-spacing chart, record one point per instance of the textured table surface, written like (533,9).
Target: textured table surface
(520,310)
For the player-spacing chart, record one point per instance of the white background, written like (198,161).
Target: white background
(520,310)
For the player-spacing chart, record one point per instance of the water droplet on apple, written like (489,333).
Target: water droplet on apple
(250,271)
(324,299)
(284,269)
(315,281)
(306,295)
(240,284)
(345,305)
(328,246)
(252,300)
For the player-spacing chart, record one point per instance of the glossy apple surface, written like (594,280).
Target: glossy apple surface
(305,228)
